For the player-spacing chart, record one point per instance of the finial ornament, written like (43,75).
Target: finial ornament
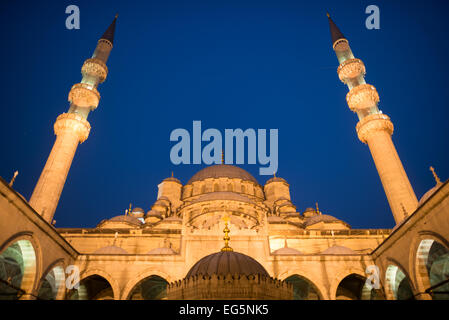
(222,157)
(317,209)
(13,178)
(116,15)
(274,174)
(226,238)
(172,174)
(328,15)
(128,211)
(435,176)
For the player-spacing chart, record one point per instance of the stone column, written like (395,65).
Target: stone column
(376,130)
(70,129)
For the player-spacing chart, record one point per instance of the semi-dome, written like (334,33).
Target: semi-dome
(227,262)
(338,250)
(222,171)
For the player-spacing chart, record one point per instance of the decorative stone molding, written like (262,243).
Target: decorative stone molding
(373,123)
(341,45)
(230,287)
(363,96)
(73,123)
(95,68)
(105,41)
(84,95)
(350,69)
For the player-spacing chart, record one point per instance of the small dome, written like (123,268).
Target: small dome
(321,218)
(125,218)
(227,262)
(338,250)
(154,213)
(111,250)
(310,210)
(137,210)
(429,193)
(172,179)
(275,179)
(286,251)
(222,171)
(162,251)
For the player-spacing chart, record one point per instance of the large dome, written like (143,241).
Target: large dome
(227,262)
(222,171)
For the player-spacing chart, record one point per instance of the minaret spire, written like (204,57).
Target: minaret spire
(374,128)
(110,31)
(72,128)
(336,34)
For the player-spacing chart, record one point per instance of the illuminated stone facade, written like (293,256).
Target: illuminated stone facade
(172,248)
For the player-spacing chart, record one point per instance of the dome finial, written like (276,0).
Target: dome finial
(226,238)
(435,176)
(128,211)
(317,209)
(13,178)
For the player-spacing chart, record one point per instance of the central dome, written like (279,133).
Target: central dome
(227,262)
(222,171)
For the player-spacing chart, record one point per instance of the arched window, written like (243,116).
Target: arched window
(433,267)
(354,287)
(93,287)
(150,288)
(17,270)
(303,289)
(398,284)
(52,284)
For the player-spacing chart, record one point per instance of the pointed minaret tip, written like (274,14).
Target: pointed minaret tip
(110,31)
(336,34)
(116,15)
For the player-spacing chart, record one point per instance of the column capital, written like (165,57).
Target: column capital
(373,123)
(73,123)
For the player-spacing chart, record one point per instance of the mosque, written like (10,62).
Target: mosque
(223,235)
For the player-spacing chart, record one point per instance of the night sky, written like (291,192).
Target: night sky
(230,64)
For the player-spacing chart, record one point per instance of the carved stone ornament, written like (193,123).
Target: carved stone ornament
(73,123)
(84,95)
(362,97)
(350,69)
(95,68)
(373,123)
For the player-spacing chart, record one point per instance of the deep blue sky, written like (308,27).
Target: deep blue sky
(230,64)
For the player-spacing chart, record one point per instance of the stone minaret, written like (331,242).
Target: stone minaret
(374,128)
(72,128)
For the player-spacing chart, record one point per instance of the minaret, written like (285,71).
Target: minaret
(72,128)
(374,128)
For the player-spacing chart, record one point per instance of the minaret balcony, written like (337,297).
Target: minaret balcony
(362,97)
(95,68)
(73,123)
(351,69)
(84,95)
(374,123)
